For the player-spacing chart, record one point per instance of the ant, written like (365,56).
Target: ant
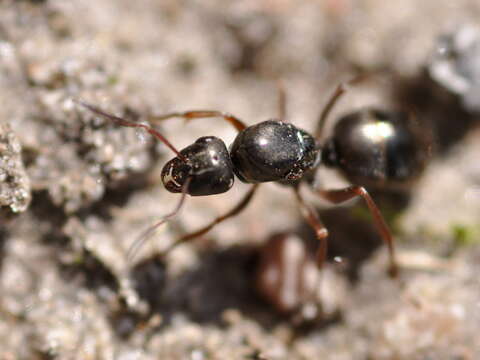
(370,146)
(287,278)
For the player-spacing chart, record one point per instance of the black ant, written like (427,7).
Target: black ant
(369,146)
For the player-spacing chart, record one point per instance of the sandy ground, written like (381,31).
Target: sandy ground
(76,190)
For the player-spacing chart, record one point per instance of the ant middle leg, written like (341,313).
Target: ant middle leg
(282,101)
(238,124)
(342,195)
(234,211)
(313,220)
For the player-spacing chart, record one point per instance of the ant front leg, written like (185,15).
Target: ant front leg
(238,124)
(342,195)
(235,211)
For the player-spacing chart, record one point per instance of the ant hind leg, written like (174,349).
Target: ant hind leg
(332,101)
(342,195)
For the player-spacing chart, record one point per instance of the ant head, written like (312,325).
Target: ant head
(377,147)
(206,163)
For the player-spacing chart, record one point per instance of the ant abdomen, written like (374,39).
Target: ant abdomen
(206,164)
(273,151)
(287,276)
(378,148)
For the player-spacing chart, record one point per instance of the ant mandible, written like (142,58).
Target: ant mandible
(368,146)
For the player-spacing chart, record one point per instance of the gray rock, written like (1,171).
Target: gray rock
(15,191)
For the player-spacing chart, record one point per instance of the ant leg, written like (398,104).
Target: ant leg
(140,241)
(123,122)
(321,232)
(238,124)
(236,210)
(282,101)
(336,95)
(342,195)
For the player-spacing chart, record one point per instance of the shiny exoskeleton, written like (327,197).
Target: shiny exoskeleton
(273,151)
(378,148)
(268,151)
(371,147)
(208,164)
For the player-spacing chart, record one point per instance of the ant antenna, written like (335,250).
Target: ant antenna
(142,239)
(233,212)
(124,122)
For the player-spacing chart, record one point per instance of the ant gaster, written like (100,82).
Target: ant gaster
(287,278)
(369,146)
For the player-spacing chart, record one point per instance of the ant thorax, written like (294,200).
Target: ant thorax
(273,151)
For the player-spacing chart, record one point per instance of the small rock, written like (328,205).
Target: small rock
(14,183)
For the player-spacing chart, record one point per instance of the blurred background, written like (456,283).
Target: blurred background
(76,190)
